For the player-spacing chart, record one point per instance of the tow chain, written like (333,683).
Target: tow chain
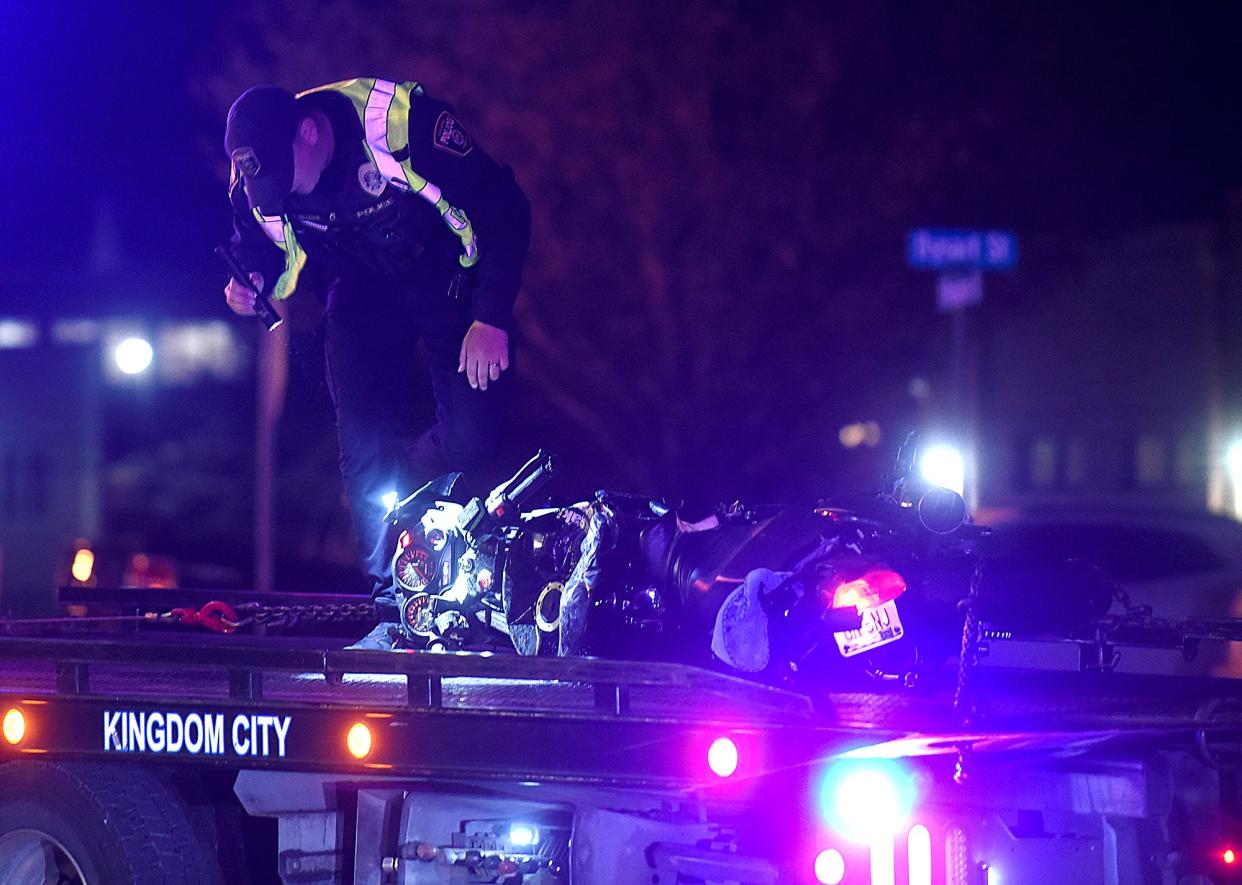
(963,703)
(220,617)
(289,615)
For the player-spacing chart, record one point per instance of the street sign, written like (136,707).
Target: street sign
(937,248)
(959,288)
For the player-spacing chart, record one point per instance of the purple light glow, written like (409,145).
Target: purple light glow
(722,757)
(829,867)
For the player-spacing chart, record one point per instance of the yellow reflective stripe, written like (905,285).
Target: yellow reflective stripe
(279,230)
(397,121)
(348,86)
(295,260)
(386,122)
(465,230)
(375,126)
(426,189)
(358,88)
(384,108)
(273,226)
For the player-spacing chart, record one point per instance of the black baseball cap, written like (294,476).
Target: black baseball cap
(258,137)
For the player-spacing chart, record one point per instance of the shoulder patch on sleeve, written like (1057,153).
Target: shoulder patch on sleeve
(448,135)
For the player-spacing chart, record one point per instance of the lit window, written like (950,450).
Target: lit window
(1042,463)
(1151,461)
(189,351)
(1191,461)
(1076,462)
(75,331)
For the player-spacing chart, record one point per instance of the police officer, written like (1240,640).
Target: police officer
(418,234)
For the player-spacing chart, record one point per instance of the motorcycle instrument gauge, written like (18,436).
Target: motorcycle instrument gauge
(418,614)
(414,568)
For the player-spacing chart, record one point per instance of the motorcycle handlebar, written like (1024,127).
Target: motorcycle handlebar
(517,491)
(479,518)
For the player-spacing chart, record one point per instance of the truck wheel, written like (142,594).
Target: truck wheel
(90,824)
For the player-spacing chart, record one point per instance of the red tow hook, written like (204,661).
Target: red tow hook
(215,615)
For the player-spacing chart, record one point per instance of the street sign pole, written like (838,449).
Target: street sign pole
(961,257)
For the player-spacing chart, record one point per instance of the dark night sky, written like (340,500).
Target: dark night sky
(1089,116)
(97,123)
(1091,120)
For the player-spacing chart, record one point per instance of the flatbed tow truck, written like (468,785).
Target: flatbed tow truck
(164,755)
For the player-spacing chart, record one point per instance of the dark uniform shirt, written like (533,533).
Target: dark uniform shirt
(355,221)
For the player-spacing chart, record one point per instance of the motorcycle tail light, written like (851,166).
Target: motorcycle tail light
(870,590)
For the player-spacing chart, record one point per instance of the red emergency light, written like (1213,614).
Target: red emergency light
(870,590)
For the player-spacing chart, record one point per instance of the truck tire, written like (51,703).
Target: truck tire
(96,824)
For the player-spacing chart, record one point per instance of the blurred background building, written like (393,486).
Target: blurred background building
(1113,384)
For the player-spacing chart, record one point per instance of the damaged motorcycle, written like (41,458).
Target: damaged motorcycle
(870,584)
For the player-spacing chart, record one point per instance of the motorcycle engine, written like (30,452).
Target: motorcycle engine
(538,566)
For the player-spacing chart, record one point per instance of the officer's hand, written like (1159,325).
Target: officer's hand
(484,354)
(241,299)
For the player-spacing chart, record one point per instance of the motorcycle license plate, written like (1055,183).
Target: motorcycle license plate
(880,626)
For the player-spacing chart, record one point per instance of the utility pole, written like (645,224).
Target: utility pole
(272,376)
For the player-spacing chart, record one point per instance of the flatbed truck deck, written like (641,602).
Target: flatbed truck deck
(411,768)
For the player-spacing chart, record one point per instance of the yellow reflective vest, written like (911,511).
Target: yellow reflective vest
(383,107)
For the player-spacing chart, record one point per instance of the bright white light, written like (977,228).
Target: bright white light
(1233,460)
(722,757)
(944,466)
(869,805)
(523,835)
(883,865)
(829,867)
(918,846)
(994,876)
(389,499)
(17,334)
(133,355)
